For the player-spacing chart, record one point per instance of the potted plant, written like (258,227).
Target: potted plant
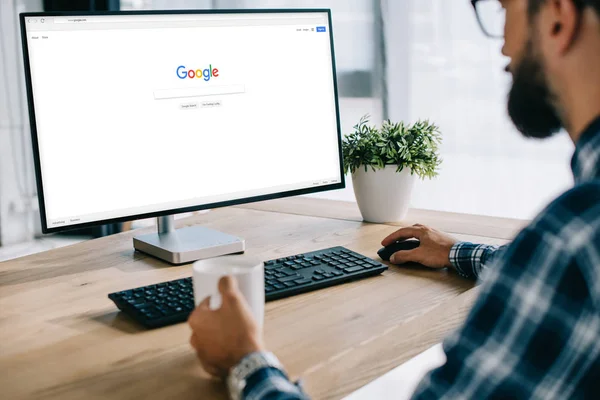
(384,163)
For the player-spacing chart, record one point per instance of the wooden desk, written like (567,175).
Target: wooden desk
(61,338)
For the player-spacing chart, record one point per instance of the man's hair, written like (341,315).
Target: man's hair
(534,5)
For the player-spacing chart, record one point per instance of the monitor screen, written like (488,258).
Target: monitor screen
(145,114)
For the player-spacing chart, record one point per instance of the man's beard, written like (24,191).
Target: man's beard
(530,100)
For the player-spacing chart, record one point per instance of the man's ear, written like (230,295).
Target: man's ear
(562,24)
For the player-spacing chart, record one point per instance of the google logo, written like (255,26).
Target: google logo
(206,74)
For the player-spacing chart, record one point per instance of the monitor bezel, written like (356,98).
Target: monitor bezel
(36,155)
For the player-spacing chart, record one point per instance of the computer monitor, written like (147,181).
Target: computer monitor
(151,114)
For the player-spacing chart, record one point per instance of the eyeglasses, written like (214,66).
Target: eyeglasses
(491,17)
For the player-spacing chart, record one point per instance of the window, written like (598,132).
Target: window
(458,81)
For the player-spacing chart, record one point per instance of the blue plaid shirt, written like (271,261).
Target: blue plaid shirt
(534,331)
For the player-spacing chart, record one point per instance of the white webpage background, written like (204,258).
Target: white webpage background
(107,145)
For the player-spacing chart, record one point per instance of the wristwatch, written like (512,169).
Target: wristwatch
(236,381)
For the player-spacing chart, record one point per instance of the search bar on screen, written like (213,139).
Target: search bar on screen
(164,94)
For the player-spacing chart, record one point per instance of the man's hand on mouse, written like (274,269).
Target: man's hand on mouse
(224,336)
(433,252)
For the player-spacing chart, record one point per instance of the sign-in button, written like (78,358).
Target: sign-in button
(321,29)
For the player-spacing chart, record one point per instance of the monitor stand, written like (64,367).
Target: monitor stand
(180,246)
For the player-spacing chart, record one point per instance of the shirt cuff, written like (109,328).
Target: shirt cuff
(269,378)
(273,383)
(469,259)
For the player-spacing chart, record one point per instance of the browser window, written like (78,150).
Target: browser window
(143,113)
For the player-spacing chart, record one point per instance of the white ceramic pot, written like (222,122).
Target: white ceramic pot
(383,195)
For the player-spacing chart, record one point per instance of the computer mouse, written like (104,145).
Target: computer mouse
(386,252)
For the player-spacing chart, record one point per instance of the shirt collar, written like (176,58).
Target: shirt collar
(584,163)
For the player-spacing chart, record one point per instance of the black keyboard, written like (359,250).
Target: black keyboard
(171,302)
(157,305)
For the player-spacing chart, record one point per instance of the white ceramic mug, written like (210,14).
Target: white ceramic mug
(248,272)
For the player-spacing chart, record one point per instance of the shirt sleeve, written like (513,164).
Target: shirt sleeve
(525,337)
(471,260)
(271,384)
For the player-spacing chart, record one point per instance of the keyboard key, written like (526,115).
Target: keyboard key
(269,289)
(280,260)
(269,263)
(315,263)
(279,286)
(271,267)
(351,264)
(279,275)
(298,261)
(297,267)
(271,281)
(319,271)
(290,284)
(328,275)
(289,278)
(317,278)
(306,264)
(303,281)
(289,263)
(337,273)
(353,269)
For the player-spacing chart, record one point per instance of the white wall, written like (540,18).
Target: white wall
(17,220)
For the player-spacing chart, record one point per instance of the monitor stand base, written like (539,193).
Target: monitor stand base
(185,245)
